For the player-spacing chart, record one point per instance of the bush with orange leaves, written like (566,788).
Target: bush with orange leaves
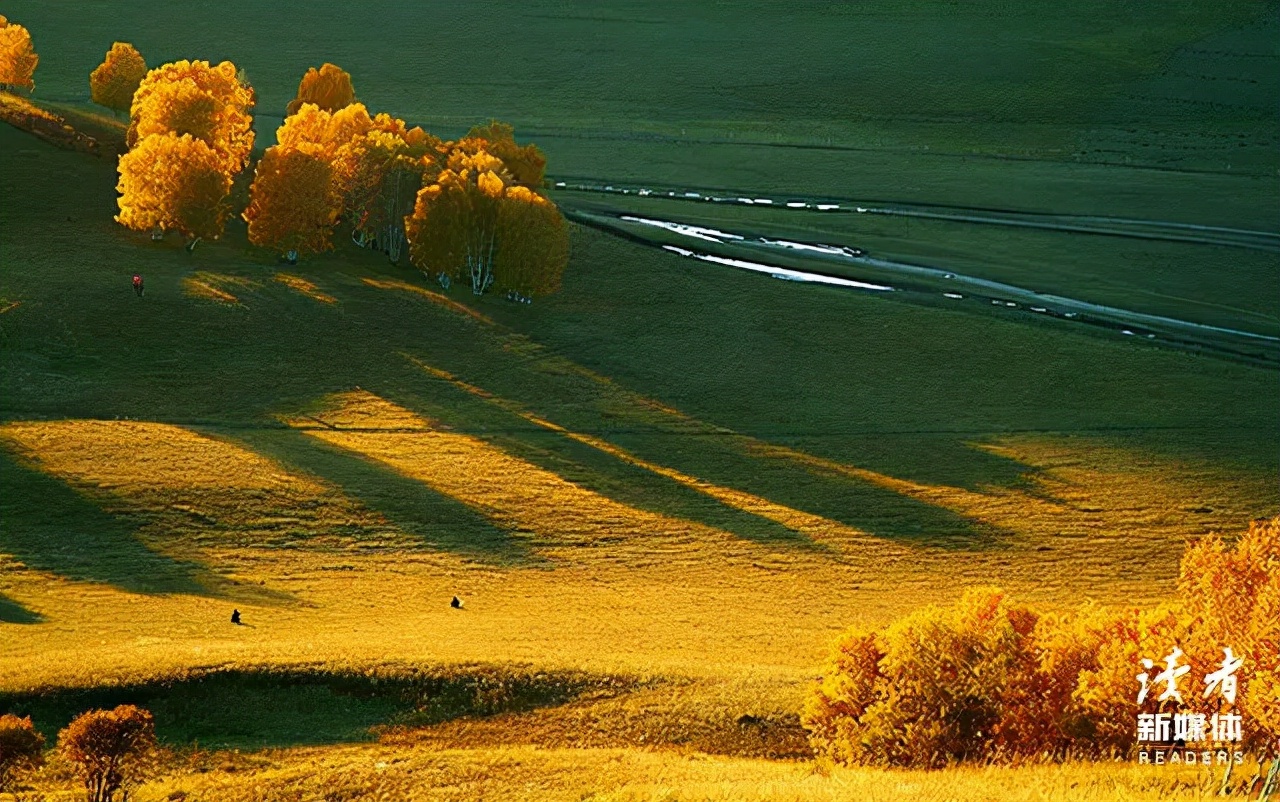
(18,59)
(21,748)
(192,97)
(328,88)
(475,224)
(111,749)
(985,679)
(174,183)
(115,80)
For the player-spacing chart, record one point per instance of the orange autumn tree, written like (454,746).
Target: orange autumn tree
(381,172)
(328,88)
(473,224)
(296,195)
(375,166)
(174,183)
(191,97)
(526,163)
(1231,600)
(191,133)
(294,202)
(21,748)
(18,59)
(115,80)
(985,680)
(110,749)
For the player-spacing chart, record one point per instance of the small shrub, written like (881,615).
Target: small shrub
(110,748)
(21,748)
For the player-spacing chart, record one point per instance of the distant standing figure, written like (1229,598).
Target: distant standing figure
(235,616)
(137,284)
(456,603)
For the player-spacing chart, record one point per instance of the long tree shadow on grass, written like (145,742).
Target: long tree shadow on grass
(879,511)
(265,708)
(416,509)
(48,526)
(710,458)
(592,469)
(13,613)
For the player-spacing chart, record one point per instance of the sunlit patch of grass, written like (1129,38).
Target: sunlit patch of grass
(193,488)
(213,286)
(434,297)
(304,287)
(531,774)
(819,529)
(520,495)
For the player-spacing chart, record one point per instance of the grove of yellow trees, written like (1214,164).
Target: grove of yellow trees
(471,210)
(986,679)
(115,80)
(18,59)
(474,223)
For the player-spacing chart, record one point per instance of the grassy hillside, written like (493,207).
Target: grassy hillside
(663,491)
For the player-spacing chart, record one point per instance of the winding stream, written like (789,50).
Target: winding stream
(924,280)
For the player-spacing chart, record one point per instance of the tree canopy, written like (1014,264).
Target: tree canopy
(473,223)
(174,183)
(21,748)
(191,133)
(526,163)
(114,81)
(328,88)
(108,748)
(18,59)
(192,97)
(294,201)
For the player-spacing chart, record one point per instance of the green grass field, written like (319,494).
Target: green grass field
(663,491)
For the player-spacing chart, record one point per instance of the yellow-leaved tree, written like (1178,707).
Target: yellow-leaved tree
(192,97)
(328,88)
(115,80)
(18,58)
(377,165)
(294,202)
(381,171)
(473,224)
(190,135)
(1230,597)
(526,163)
(296,195)
(174,183)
